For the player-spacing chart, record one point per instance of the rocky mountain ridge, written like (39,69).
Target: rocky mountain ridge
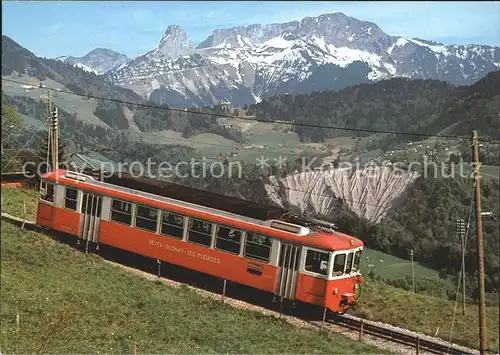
(97,61)
(330,52)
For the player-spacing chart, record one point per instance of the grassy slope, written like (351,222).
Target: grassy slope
(380,301)
(84,108)
(425,314)
(70,302)
(389,266)
(13,200)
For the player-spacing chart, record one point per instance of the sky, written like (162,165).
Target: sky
(56,28)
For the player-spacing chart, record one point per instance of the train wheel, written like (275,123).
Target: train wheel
(341,313)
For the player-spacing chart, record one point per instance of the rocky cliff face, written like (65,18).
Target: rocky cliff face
(369,192)
(173,44)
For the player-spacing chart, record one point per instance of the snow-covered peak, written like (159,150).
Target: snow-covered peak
(86,68)
(98,60)
(436,48)
(173,31)
(62,58)
(285,40)
(400,42)
(174,43)
(237,41)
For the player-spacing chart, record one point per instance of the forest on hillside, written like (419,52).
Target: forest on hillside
(414,106)
(147,119)
(425,221)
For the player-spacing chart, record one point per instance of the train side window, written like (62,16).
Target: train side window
(228,239)
(146,218)
(47,191)
(200,232)
(121,212)
(258,247)
(172,225)
(357,261)
(338,265)
(70,198)
(317,262)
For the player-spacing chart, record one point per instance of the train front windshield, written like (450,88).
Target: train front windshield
(346,262)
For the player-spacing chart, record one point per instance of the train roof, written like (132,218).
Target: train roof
(197,196)
(329,241)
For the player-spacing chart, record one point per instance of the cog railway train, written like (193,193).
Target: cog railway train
(304,261)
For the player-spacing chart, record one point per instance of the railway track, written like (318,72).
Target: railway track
(420,342)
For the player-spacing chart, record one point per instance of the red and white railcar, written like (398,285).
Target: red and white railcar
(296,262)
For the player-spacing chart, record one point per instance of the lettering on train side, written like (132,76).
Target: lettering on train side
(188,252)
(208,258)
(155,243)
(67,228)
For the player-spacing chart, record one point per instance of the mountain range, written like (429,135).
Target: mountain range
(97,61)
(246,64)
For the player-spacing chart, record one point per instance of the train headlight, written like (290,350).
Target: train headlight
(335,291)
(356,286)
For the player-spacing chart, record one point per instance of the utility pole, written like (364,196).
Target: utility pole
(55,139)
(463,272)
(480,253)
(461,236)
(412,272)
(49,99)
(49,137)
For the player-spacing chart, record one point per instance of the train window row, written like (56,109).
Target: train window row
(198,231)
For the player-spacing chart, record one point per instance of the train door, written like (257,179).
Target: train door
(91,217)
(288,269)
